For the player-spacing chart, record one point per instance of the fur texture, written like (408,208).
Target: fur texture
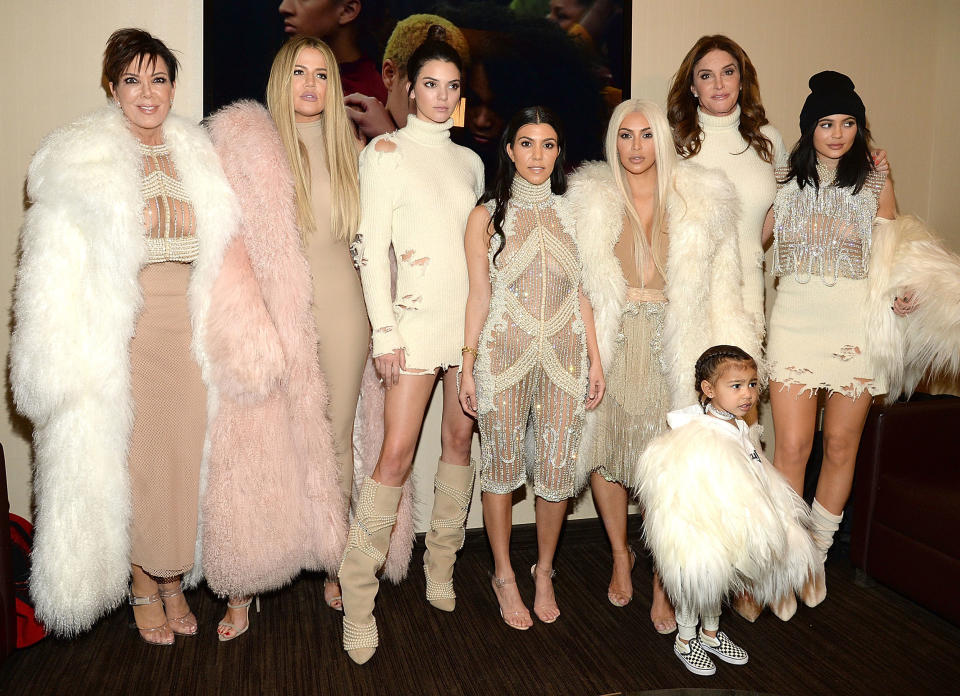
(905,255)
(703,283)
(75,305)
(272,505)
(717,522)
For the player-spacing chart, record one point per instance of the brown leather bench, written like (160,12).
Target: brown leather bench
(906,522)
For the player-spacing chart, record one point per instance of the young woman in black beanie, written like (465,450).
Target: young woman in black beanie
(822,222)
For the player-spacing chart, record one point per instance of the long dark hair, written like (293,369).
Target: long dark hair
(852,169)
(682,105)
(434,47)
(499,190)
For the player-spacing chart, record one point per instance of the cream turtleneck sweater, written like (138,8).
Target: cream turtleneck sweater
(417,198)
(723,148)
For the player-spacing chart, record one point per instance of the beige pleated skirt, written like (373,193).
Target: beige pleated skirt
(634,408)
(166,447)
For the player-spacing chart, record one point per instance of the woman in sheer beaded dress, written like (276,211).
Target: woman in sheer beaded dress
(531,366)
(129,220)
(416,190)
(822,222)
(662,271)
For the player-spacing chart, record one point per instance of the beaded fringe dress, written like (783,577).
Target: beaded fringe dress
(531,371)
(821,255)
(168,394)
(634,408)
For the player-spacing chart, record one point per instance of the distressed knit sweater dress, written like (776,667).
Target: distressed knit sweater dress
(417,199)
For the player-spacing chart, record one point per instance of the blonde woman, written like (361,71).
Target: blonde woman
(295,171)
(661,270)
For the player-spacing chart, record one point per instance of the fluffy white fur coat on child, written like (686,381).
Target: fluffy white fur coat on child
(76,303)
(717,521)
(703,283)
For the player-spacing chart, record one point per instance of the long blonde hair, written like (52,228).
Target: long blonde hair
(338,139)
(666,158)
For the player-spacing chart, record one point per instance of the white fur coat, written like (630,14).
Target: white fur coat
(718,518)
(905,255)
(703,283)
(75,305)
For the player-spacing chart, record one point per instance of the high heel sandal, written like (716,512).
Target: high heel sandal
(188,628)
(143,601)
(226,624)
(498,583)
(552,574)
(334,602)
(613,596)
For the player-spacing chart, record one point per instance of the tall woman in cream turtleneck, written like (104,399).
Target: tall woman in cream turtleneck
(718,121)
(416,190)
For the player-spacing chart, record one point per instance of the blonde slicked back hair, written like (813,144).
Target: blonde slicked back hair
(338,139)
(666,158)
(411,31)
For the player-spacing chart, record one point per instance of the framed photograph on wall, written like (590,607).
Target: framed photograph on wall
(569,55)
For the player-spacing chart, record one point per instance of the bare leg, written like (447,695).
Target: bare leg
(611,502)
(456,427)
(794,421)
(403,409)
(842,427)
(550,517)
(498,520)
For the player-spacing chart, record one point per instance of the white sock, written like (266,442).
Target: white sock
(825,525)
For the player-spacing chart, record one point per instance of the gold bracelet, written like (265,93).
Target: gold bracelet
(468,349)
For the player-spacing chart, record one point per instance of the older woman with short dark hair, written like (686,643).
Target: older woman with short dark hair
(129,218)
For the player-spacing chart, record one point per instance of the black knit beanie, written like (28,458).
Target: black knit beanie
(831,93)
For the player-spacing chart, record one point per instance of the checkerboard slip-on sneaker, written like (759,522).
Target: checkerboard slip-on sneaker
(694,658)
(724,648)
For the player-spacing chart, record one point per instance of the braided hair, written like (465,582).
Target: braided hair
(710,365)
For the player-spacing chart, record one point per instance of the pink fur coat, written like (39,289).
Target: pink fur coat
(272,505)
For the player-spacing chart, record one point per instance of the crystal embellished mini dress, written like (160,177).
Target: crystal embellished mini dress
(532,367)
(821,257)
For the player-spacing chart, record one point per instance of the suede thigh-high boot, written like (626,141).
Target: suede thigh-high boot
(366,550)
(453,490)
(825,525)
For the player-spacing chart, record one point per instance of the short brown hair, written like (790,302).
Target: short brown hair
(128,45)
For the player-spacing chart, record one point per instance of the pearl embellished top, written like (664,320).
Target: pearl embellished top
(168,216)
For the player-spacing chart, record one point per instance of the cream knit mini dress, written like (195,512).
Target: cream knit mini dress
(417,200)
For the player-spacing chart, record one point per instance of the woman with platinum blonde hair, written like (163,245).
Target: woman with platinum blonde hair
(661,269)
(298,297)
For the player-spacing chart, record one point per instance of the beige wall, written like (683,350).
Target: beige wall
(902,56)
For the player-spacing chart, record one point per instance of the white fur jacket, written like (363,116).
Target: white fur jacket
(75,305)
(906,255)
(703,283)
(718,517)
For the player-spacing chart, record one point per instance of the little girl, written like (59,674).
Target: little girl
(720,519)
